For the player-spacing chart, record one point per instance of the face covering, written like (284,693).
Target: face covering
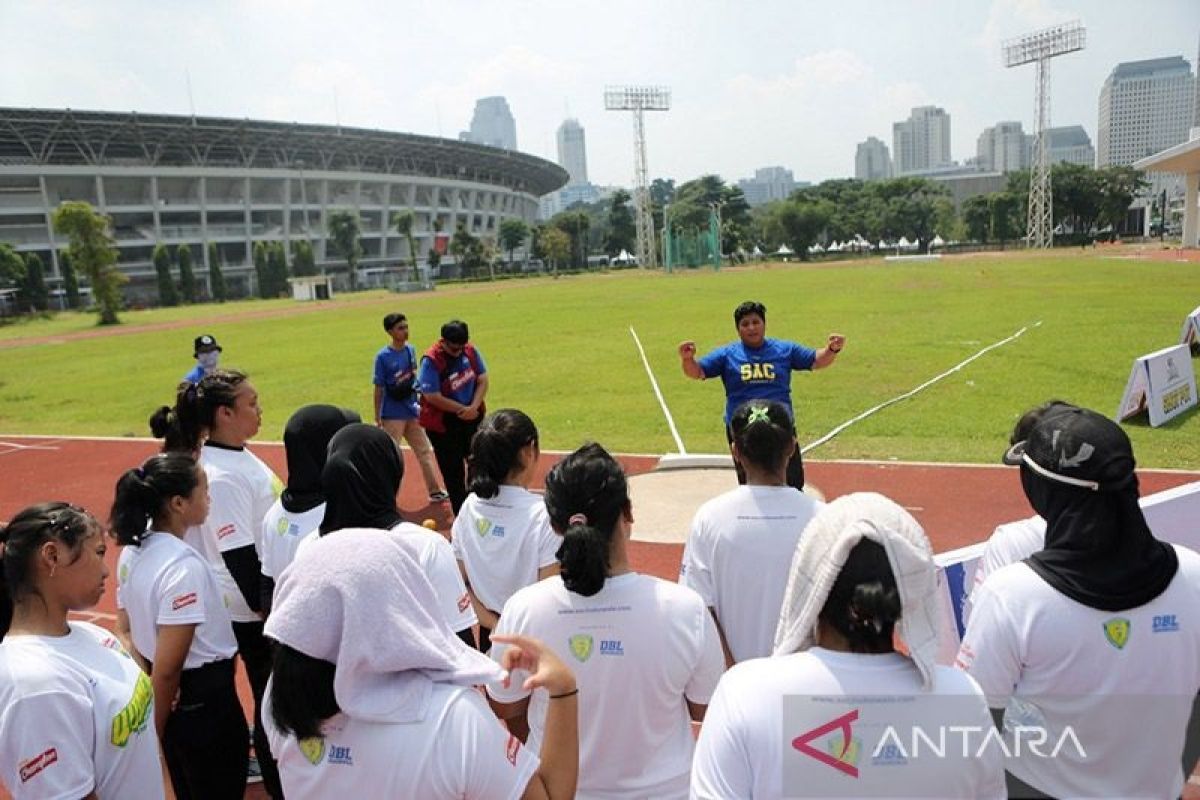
(209,360)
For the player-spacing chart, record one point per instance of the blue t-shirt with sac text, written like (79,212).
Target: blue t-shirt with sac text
(761,373)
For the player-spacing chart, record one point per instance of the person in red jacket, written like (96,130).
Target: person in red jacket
(453,382)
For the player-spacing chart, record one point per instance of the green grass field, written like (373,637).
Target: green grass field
(561,351)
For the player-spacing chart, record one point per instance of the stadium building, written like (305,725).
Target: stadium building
(196,181)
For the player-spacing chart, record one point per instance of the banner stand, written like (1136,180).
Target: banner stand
(1163,383)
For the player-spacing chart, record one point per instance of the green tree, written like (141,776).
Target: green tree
(92,250)
(12,267)
(556,245)
(801,220)
(977,216)
(216,278)
(187,277)
(36,293)
(345,234)
(575,225)
(69,279)
(513,232)
(277,270)
(1004,207)
(662,191)
(465,249)
(304,262)
(167,296)
(403,222)
(622,230)
(262,271)
(1118,186)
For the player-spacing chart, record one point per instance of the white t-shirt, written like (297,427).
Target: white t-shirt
(242,490)
(738,557)
(503,541)
(76,716)
(281,534)
(1123,681)
(164,581)
(458,750)
(639,646)
(1008,544)
(436,558)
(776,728)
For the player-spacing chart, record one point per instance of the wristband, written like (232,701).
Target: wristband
(571,693)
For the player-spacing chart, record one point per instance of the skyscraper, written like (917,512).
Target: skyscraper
(1003,148)
(492,124)
(572,151)
(767,185)
(1070,144)
(921,142)
(872,161)
(1145,107)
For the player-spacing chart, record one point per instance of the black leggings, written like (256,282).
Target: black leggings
(451,447)
(205,739)
(255,650)
(795,465)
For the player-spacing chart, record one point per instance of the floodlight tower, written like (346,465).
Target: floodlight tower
(638,99)
(1040,47)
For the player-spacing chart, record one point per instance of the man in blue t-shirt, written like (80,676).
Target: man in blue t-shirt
(758,368)
(207,352)
(396,406)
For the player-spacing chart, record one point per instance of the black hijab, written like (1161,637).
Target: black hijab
(1099,550)
(306,439)
(360,480)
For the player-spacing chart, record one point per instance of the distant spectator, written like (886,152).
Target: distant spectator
(758,368)
(1096,631)
(863,576)
(397,400)
(453,382)
(207,353)
(502,536)
(740,548)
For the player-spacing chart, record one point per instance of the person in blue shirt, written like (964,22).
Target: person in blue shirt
(758,368)
(397,400)
(207,352)
(453,381)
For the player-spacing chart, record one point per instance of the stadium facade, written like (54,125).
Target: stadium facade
(196,181)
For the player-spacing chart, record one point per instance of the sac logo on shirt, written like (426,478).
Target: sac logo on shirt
(1116,631)
(132,718)
(757,372)
(31,767)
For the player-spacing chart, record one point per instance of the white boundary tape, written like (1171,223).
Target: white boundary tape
(657,393)
(910,393)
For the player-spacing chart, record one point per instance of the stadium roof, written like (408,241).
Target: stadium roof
(100,138)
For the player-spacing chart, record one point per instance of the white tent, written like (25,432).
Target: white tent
(784,250)
(623,257)
(757,252)
(883,245)
(834,247)
(938,241)
(904,243)
(816,248)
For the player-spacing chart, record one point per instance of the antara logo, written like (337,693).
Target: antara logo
(841,758)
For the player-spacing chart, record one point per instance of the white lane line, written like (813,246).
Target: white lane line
(654,384)
(910,393)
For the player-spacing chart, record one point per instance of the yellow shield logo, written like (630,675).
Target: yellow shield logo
(581,646)
(1116,630)
(313,749)
(281,527)
(482,526)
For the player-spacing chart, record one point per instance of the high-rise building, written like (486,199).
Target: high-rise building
(572,151)
(872,161)
(1070,144)
(492,124)
(921,142)
(1003,148)
(767,185)
(1145,107)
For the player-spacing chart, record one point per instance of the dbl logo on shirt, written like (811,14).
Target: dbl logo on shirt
(758,372)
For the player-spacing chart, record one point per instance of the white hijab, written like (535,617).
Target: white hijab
(822,552)
(359,599)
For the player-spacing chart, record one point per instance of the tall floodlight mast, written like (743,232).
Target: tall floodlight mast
(1039,47)
(638,99)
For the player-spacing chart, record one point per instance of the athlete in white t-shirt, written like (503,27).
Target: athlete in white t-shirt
(741,543)
(301,506)
(1008,544)
(373,695)
(1091,638)
(838,712)
(502,536)
(75,709)
(646,652)
(170,608)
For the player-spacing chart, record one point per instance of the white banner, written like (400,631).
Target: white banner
(1190,335)
(1163,383)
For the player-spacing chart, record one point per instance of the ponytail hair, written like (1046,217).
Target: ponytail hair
(302,695)
(20,540)
(864,603)
(764,433)
(183,426)
(143,492)
(586,496)
(496,450)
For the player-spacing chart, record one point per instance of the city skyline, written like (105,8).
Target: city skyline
(795,85)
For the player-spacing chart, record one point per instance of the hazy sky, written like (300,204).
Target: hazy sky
(755,83)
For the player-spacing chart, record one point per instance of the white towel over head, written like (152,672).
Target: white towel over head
(358,599)
(822,552)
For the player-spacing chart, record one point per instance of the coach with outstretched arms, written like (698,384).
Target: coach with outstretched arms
(758,368)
